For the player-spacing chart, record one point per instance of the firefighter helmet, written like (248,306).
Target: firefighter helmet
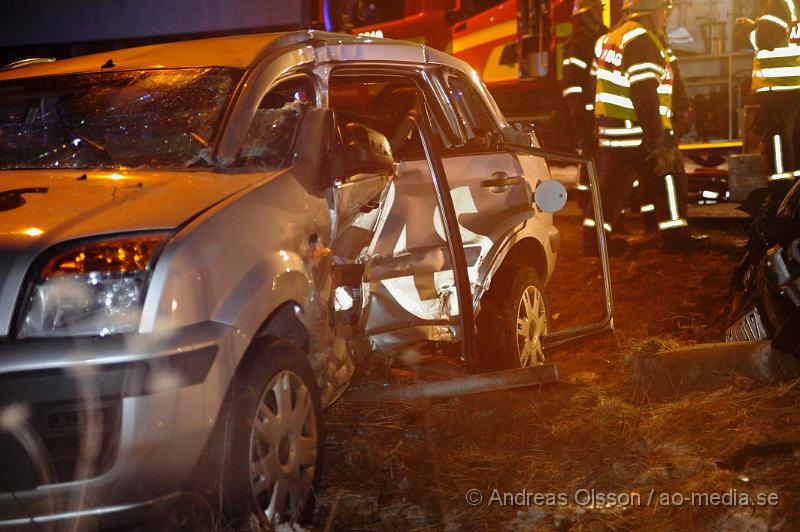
(582,6)
(636,7)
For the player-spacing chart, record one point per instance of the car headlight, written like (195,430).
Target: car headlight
(91,289)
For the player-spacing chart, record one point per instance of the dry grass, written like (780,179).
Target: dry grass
(408,466)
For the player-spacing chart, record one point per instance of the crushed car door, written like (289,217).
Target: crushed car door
(361,168)
(411,287)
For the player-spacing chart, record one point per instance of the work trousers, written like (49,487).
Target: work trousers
(619,169)
(587,145)
(778,124)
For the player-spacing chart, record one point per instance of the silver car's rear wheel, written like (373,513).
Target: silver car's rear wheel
(513,319)
(531,327)
(283,447)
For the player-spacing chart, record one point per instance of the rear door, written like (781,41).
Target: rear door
(488,186)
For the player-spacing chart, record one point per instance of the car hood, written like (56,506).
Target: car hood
(40,208)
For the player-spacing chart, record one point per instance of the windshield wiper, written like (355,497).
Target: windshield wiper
(98,148)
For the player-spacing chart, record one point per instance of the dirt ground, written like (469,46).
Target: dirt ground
(581,454)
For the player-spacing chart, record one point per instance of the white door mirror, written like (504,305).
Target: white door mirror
(550,196)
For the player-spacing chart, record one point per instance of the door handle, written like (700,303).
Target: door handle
(370,206)
(501,181)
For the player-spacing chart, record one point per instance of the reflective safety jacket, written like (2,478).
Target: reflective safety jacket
(578,83)
(778,69)
(617,72)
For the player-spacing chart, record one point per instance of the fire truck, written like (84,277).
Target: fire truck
(516,46)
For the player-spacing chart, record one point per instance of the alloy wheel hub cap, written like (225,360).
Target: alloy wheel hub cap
(283,449)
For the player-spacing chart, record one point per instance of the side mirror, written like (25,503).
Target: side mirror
(365,150)
(515,136)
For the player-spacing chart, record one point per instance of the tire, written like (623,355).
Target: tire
(271,455)
(507,335)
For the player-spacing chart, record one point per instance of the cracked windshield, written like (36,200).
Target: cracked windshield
(145,118)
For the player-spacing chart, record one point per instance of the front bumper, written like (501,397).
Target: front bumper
(99,428)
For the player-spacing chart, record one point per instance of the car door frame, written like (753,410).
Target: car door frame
(516,218)
(606,322)
(417,73)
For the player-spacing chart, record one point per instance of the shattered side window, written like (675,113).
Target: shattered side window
(166,118)
(270,140)
(271,136)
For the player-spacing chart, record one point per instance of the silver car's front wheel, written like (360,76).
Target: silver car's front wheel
(271,438)
(531,326)
(283,447)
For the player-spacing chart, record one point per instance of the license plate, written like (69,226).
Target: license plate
(748,328)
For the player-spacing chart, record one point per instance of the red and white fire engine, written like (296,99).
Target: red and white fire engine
(490,35)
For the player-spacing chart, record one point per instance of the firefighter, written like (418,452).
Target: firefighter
(643,195)
(776,87)
(633,109)
(578,84)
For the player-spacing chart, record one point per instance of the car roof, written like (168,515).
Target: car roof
(240,51)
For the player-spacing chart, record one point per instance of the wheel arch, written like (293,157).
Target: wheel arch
(528,250)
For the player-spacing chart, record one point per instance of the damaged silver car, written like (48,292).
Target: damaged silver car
(199,241)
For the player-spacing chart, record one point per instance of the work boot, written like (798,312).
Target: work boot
(682,242)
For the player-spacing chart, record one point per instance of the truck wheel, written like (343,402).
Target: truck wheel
(513,320)
(273,421)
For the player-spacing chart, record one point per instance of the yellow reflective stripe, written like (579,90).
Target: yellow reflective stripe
(709,194)
(574,61)
(643,76)
(784,51)
(664,89)
(779,88)
(645,66)
(572,90)
(598,45)
(776,143)
(672,200)
(632,143)
(633,34)
(617,131)
(647,208)
(590,107)
(779,177)
(665,111)
(672,224)
(780,72)
(582,187)
(613,99)
(588,222)
(613,77)
(774,20)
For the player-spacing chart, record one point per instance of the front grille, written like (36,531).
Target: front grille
(62,427)
(47,442)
